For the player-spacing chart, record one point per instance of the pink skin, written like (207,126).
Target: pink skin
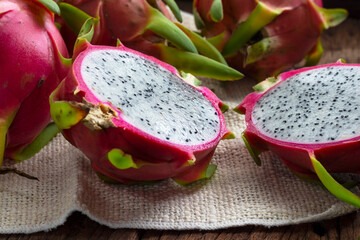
(119,20)
(157,167)
(286,33)
(29,43)
(337,156)
(122,19)
(162,159)
(237,11)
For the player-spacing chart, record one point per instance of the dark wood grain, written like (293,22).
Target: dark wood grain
(78,226)
(352,6)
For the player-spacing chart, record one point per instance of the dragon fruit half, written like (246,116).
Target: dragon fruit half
(31,68)
(145,26)
(310,118)
(135,118)
(262,38)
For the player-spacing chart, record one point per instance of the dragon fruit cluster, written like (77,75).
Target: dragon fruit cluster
(35,60)
(262,38)
(139,119)
(145,26)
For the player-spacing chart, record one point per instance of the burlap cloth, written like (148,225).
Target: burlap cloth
(239,193)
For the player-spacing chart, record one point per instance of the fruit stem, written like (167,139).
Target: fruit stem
(313,57)
(203,46)
(198,65)
(48,133)
(18,172)
(216,11)
(259,17)
(174,9)
(331,17)
(253,151)
(73,17)
(162,26)
(50,5)
(4,126)
(332,185)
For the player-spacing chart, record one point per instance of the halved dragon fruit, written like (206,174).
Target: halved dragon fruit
(145,26)
(136,118)
(31,67)
(310,118)
(262,38)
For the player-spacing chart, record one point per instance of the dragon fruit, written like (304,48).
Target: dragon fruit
(136,118)
(144,26)
(310,118)
(265,37)
(31,68)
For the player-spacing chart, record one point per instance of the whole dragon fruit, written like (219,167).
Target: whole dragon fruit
(31,68)
(310,118)
(145,26)
(262,38)
(136,118)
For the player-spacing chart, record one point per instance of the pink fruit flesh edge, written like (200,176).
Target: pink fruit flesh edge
(302,159)
(159,159)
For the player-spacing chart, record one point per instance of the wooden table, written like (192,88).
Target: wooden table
(78,226)
(342,41)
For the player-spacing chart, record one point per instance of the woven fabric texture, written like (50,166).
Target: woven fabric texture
(239,193)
